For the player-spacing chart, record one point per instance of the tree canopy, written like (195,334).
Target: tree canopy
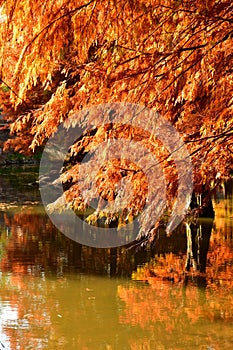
(173,56)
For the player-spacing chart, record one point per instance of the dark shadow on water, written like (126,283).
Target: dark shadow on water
(30,240)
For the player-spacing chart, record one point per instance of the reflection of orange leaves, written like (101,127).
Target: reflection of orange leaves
(163,268)
(172,307)
(145,306)
(169,298)
(220,262)
(24,224)
(220,254)
(21,222)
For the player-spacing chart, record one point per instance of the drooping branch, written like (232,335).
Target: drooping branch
(68,13)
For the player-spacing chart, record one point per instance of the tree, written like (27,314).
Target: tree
(175,57)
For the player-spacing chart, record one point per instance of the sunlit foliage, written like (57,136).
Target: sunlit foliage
(58,57)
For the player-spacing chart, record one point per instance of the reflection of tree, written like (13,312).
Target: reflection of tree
(26,246)
(164,310)
(179,301)
(215,256)
(167,305)
(33,244)
(34,249)
(170,301)
(198,237)
(224,212)
(198,232)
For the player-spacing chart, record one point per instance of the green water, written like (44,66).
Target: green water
(57,294)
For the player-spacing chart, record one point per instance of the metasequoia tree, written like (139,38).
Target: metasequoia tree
(175,57)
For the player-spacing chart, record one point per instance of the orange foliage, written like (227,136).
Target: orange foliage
(59,57)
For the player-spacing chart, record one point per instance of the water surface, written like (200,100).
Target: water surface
(57,294)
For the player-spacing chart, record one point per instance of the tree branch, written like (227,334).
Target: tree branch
(69,13)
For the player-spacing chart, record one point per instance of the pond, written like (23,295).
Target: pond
(57,294)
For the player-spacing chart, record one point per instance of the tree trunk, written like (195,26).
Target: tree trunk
(198,235)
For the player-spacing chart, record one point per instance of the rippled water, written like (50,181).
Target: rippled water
(57,294)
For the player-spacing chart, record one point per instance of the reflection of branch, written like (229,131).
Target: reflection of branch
(190,261)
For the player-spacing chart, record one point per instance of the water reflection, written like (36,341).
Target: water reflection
(57,294)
